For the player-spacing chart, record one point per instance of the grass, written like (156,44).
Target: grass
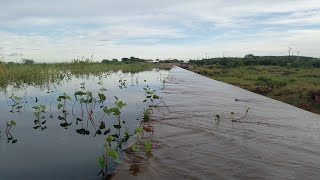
(294,86)
(39,74)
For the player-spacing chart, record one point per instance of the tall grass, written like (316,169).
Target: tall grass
(17,74)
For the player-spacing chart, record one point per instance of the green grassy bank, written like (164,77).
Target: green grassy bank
(296,86)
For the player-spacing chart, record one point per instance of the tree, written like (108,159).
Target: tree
(125,59)
(249,56)
(105,61)
(27,61)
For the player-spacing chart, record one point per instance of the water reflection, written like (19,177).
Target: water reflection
(109,107)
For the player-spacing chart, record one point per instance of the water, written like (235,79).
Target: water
(274,141)
(59,153)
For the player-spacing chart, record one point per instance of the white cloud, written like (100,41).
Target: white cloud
(61,30)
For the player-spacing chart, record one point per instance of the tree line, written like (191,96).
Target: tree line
(250,59)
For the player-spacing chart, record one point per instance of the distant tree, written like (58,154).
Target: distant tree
(125,59)
(105,61)
(115,60)
(249,56)
(27,61)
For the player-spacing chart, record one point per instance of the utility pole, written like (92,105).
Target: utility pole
(290,48)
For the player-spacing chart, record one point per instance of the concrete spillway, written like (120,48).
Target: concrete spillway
(274,141)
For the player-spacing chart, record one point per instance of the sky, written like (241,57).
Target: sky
(62,30)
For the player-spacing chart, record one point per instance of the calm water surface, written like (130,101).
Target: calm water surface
(56,152)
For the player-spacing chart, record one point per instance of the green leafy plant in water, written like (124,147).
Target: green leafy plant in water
(116,111)
(40,115)
(156,101)
(147,114)
(16,106)
(62,106)
(122,83)
(89,103)
(10,138)
(113,142)
(140,143)
(150,94)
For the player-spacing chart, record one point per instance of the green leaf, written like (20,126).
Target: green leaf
(13,123)
(79,93)
(43,107)
(113,153)
(115,111)
(61,118)
(62,97)
(120,104)
(68,97)
(108,111)
(146,116)
(109,139)
(102,125)
(102,97)
(60,106)
(101,161)
(117,126)
(147,146)
(89,94)
(65,124)
(35,107)
(135,148)
(99,132)
(82,100)
(138,130)
(36,114)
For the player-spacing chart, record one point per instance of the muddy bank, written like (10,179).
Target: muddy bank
(274,141)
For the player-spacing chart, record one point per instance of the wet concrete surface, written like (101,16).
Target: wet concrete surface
(274,141)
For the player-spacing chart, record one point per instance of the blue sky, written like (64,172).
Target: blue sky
(61,30)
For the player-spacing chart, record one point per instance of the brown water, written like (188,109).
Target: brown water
(274,141)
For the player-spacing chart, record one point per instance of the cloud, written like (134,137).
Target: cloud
(13,54)
(51,30)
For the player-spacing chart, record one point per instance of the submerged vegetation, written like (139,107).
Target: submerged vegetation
(291,79)
(87,112)
(40,74)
